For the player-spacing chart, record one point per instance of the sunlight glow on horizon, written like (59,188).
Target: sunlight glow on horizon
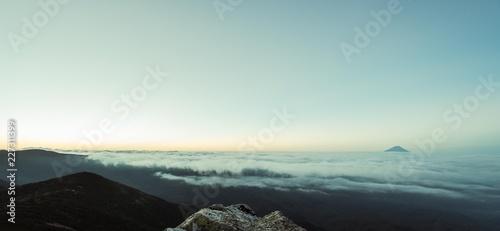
(226,79)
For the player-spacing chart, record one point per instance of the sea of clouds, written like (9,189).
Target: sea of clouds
(459,175)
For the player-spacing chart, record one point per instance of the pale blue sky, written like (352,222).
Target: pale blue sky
(228,76)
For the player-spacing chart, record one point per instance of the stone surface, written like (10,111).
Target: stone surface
(238,217)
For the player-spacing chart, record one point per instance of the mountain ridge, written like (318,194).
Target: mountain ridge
(71,203)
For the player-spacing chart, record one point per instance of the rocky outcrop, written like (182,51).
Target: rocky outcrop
(238,217)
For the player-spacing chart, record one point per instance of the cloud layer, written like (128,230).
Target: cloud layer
(450,175)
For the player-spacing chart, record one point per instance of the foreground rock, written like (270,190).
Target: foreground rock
(239,217)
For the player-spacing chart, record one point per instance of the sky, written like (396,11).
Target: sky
(258,75)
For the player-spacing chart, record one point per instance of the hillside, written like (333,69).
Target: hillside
(40,165)
(86,201)
(3,185)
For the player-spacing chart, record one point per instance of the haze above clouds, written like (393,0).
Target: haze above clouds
(226,77)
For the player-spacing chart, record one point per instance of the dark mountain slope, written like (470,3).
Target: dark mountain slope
(3,185)
(39,165)
(86,201)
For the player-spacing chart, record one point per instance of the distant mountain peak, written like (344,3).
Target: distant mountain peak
(396,149)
